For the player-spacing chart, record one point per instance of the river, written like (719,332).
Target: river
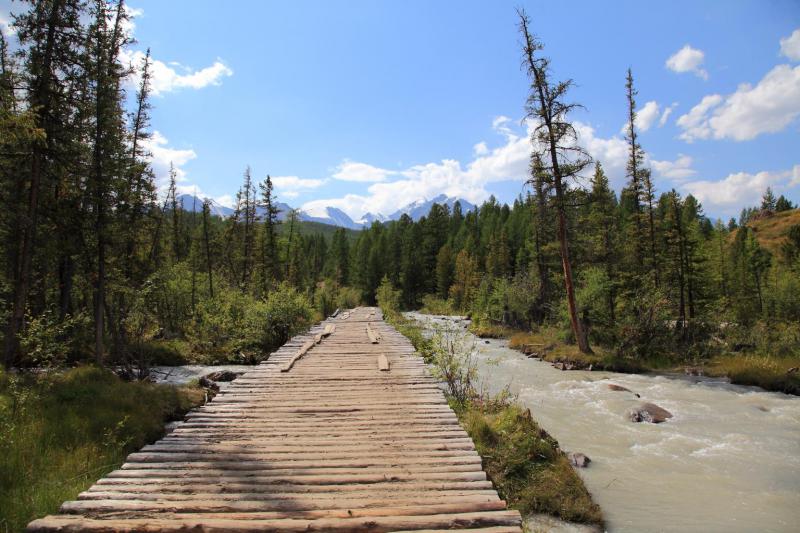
(729,459)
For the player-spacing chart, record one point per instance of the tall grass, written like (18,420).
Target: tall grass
(59,433)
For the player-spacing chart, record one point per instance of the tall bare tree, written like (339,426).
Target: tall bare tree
(555,139)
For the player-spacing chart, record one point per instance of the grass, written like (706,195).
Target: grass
(770,372)
(765,371)
(59,433)
(771,231)
(525,464)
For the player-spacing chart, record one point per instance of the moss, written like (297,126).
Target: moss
(59,433)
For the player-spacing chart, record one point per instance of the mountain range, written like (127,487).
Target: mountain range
(333,215)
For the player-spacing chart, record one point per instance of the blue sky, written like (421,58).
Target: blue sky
(369,105)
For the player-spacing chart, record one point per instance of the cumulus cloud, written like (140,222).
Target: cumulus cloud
(790,46)
(647,115)
(355,171)
(480,148)
(767,107)
(507,162)
(688,59)
(677,170)
(174,76)
(742,188)
(161,155)
(292,186)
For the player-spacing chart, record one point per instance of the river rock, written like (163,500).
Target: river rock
(578,459)
(223,375)
(649,412)
(618,388)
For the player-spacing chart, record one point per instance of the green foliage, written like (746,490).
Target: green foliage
(388,297)
(526,465)
(234,326)
(47,341)
(60,432)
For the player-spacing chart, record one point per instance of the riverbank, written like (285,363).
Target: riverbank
(527,466)
(60,432)
(777,373)
(725,457)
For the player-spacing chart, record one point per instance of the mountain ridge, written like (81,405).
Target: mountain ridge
(334,216)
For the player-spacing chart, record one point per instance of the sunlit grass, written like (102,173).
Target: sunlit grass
(60,433)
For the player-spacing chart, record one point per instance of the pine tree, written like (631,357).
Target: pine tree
(269,237)
(555,137)
(634,172)
(768,202)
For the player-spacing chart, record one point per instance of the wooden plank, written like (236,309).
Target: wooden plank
(300,353)
(330,446)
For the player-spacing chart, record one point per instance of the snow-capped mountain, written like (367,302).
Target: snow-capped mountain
(329,215)
(369,218)
(421,208)
(333,215)
(193,203)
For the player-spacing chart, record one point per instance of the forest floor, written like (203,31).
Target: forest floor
(769,371)
(525,463)
(61,431)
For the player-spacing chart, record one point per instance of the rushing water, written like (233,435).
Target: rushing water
(729,460)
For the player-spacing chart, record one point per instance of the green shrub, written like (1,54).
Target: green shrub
(388,297)
(234,326)
(47,341)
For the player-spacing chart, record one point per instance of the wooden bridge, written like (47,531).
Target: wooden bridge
(341,429)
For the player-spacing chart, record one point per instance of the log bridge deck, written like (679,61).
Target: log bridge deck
(351,434)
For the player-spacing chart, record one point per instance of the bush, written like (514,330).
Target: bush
(234,324)
(388,297)
(433,305)
(48,342)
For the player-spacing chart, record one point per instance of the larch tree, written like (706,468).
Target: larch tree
(555,139)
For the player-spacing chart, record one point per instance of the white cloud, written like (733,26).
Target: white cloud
(688,59)
(161,157)
(5,25)
(170,76)
(507,162)
(174,76)
(795,176)
(729,194)
(291,186)
(751,111)
(790,46)
(293,182)
(647,115)
(677,170)
(480,148)
(362,172)
(611,152)
(665,115)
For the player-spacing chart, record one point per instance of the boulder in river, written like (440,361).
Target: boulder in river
(578,459)
(618,388)
(649,412)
